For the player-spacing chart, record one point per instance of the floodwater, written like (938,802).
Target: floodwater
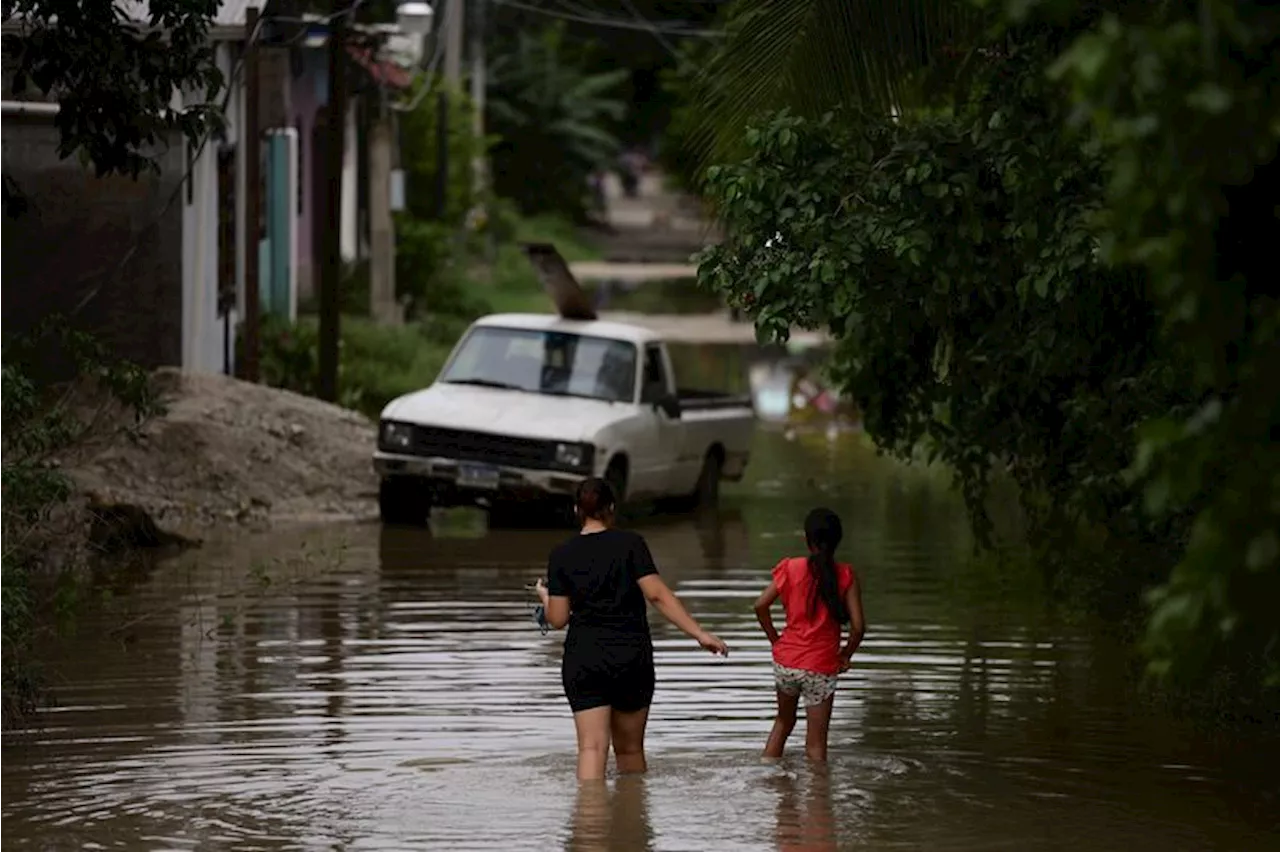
(358,688)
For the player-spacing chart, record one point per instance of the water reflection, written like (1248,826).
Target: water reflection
(612,820)
(806,818)
(359,687)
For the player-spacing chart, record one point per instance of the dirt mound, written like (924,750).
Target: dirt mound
(228,451)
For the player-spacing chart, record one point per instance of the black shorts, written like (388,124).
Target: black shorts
(607,670)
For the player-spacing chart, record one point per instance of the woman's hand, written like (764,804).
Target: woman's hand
(712,643)
(541,588)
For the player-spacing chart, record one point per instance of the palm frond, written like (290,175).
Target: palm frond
(815,55)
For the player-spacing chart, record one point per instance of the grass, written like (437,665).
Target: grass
(380,363)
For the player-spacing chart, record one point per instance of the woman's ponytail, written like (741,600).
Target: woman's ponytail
(823,532)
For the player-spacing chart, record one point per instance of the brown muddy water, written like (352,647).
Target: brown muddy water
(357,688)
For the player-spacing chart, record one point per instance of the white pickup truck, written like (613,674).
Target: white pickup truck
(528,405)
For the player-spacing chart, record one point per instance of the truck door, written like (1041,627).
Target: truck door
(662,438)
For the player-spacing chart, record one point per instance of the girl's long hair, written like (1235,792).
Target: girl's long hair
(823,531)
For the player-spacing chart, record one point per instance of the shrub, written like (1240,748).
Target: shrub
(431,266)
(376,363)
(42,419)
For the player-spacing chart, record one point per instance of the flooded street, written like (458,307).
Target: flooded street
(358,688)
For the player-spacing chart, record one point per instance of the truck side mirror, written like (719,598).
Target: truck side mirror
(669,404)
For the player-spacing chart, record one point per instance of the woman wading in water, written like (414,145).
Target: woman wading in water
(597,584)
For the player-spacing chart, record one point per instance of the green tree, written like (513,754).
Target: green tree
(813,56)
(431,254)
(1079,293)
(553,120)
(1183,97)
(114,76)
(39,527)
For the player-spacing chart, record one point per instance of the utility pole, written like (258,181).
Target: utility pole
(454,12)
(453,21)
(331,273)
(478,82)
(251,149)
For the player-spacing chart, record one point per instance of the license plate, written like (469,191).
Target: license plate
(477,476)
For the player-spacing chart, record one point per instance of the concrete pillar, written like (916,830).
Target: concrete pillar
(382,235)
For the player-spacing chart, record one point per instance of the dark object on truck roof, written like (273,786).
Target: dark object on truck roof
(558,282)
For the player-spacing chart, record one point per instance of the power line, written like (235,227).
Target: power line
(675,28)
(657,34)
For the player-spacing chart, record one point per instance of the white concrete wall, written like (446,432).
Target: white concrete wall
(202,329)
(350,154)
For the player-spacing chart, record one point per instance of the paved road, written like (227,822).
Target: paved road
(661,217)
(715,328)
(630,273)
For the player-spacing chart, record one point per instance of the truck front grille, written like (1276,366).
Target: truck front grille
(504,450)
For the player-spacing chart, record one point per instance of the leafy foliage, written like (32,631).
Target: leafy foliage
(812,56)
(553,119)
(41,420)
(430,250)
(377,363)
(957,272)
(1090,311)
(1183,97)
(115,76)
(419,129)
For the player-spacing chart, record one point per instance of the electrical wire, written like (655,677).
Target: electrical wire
(657,34)
(674,28)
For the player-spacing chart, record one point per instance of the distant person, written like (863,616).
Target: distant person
(631,165)
(598,583)
(599,197)
(818,596)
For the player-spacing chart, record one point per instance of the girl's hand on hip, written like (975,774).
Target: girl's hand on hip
(712,643)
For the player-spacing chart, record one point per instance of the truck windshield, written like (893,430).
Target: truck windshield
(547,362)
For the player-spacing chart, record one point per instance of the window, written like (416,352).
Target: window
(655,376)
(554,363)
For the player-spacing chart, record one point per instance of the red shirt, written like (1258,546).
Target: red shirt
(811,639)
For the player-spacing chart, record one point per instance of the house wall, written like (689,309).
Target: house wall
(310,90)
(105,251)
(350,185)
(207,339)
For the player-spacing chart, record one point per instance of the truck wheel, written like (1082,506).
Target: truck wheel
(403,502)
(706,493)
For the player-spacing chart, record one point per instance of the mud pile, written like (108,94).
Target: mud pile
(232,452)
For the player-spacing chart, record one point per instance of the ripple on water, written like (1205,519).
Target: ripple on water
(398,695)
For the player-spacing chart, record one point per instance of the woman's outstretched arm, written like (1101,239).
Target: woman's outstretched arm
(665,601)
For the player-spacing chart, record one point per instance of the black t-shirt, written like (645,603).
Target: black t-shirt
(597,572)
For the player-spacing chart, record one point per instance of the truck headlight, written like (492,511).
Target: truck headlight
(396,436)
(576,456)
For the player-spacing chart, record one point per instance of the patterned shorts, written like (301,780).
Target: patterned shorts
(813,687)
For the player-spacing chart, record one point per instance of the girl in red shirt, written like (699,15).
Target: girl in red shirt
(818,595)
